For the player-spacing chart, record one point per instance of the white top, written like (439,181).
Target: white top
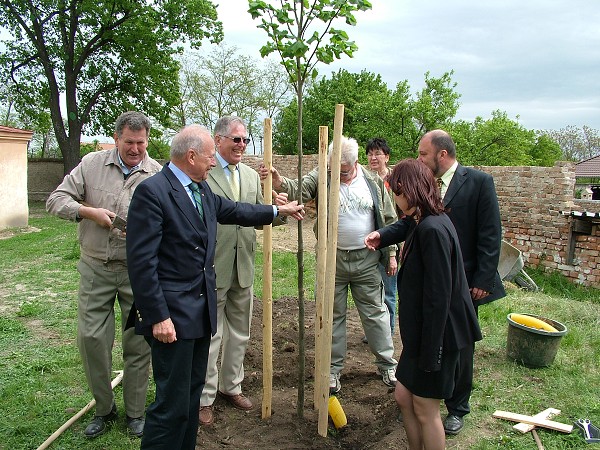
(356,218)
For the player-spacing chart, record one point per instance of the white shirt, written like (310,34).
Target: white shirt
(356,218)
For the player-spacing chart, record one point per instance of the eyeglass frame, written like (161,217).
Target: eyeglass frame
(237,139)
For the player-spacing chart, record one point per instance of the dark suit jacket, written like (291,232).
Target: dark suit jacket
(473,209)
(171,253)
(436,312)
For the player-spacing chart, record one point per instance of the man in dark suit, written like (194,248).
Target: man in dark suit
(171,239)
(470,196)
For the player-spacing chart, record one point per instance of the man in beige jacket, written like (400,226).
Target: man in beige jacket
(96,194)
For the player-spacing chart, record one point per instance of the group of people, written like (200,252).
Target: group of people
(430,225)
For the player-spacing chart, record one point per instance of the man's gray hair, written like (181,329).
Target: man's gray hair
(133,120)
(223,125)
(349,154)
(192,136)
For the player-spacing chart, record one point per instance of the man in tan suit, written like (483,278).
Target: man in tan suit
(234,265)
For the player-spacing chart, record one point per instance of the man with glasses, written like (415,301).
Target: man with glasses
(364,207)
(171,243)
(234,266)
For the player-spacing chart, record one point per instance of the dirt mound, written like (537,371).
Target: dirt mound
(369,404)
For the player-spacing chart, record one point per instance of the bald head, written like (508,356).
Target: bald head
(193,151)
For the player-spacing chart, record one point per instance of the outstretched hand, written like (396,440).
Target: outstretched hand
(373,240)
(292,209)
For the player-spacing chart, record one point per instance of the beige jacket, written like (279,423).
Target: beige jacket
(99,182)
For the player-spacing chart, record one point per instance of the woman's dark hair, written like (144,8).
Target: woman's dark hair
(415,180)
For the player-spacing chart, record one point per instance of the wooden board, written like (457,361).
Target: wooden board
(533,421)
(545,414)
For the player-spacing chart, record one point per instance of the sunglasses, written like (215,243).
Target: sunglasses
(238,140)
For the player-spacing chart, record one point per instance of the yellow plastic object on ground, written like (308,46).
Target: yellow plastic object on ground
(533,322)
(336,412)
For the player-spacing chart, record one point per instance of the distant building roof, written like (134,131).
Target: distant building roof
(588,167)
(13,130)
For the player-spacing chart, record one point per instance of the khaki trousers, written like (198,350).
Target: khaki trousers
(99,285)
(358,271)
(234,316)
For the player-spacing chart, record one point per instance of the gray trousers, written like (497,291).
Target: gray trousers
(99,285)
(358,270)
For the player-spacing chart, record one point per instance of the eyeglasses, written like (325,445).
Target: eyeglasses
(237,140)
(375,154)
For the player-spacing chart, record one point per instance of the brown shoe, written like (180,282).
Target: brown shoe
(206,415)
(239,401)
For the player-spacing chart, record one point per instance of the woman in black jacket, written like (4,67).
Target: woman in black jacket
(436,314)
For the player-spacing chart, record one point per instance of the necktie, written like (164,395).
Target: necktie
(197,198)
(233,181)
(440,184)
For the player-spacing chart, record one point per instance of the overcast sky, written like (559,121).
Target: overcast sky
(535,59)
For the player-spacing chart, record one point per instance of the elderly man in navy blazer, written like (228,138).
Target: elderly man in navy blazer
(470,197)
(171,239)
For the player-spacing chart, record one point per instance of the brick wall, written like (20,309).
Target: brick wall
(531,203)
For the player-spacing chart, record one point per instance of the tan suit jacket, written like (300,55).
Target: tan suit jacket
(235,240)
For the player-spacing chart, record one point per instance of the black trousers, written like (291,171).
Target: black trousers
(179,371)
(458,404)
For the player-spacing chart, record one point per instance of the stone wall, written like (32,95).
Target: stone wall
(532,201)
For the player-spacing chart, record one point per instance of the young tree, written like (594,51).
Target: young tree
(302,34)
(102,57)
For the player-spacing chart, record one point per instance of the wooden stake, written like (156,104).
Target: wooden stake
(537,440)
(81,412)
(321,372)
(332,238)
(533,421)
(267,296)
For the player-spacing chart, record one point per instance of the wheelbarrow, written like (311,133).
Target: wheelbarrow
(510,267)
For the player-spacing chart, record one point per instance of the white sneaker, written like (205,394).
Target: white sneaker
(334,383)
(388,376)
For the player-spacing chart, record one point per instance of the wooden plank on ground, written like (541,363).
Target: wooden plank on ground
(544,423)
(545,414)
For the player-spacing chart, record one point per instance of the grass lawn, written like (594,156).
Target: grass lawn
(42,383)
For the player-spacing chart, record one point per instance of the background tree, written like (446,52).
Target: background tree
(371,110)
(103,56)
(349,89)
(577,143)
(302,34)
(225,82)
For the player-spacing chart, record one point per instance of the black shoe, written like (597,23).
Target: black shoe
(453,424)
(98,425)
(135,426)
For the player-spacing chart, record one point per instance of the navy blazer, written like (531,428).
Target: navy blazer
(171,252)
(436,312)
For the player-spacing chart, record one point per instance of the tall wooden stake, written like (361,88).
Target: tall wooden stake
(321,371)
(332,238)
(267,296)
